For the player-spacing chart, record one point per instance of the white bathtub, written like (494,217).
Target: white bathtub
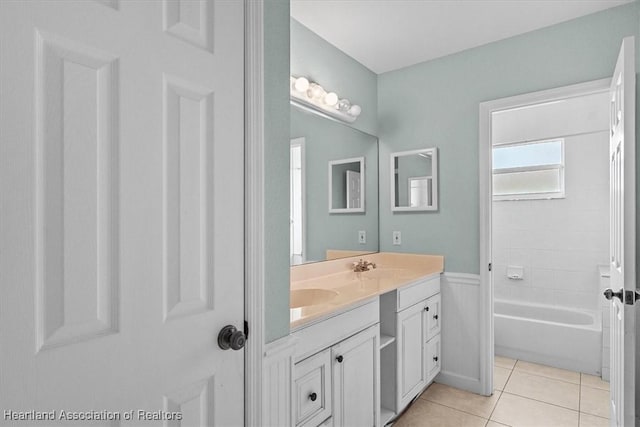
(555,336)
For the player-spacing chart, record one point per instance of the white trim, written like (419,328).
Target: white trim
(254,208)
(301,142)
(463,278)
(486,109)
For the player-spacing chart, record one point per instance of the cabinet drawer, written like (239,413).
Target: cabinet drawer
(433,358)
(412,294)
(432,313)
(313,389)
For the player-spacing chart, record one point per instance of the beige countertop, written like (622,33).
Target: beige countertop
(324,289)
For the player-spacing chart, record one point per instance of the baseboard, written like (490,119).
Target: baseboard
(277,385)
(459,381)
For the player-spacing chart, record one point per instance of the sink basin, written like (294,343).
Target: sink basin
(307,297)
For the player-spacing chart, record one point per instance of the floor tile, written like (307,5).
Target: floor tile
(504,362)
(555,392)
(548,371)
(462,400)
(587,420)
(518,411)
(593,381)
(594,401)
(495,424)
(500,377)
(425,413)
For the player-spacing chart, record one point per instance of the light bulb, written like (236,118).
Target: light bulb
(331,99)
(355,110)
(301,84)
(315,91)
(344,105)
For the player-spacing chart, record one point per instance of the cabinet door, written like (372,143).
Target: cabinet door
(312,389)
(432,359)
(356,387)
(411,375)
(433,316)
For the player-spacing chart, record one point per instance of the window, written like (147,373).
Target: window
(529,170)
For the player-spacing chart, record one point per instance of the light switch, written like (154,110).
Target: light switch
(362,237)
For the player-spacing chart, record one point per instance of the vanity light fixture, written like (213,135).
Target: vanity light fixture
(311,96)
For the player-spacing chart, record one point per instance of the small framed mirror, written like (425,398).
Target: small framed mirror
(414,180)
(346,185)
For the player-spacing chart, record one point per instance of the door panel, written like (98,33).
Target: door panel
(622,235)
(121,172)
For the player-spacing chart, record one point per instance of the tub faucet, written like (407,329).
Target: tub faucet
(362,265)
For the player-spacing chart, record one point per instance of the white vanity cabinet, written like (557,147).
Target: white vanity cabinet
(336,374)
(410,320)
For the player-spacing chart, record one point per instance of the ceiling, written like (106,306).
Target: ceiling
(385,35)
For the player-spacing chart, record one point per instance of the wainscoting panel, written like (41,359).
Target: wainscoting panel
(277,383)
(460,331)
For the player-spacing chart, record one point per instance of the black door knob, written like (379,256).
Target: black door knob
(435,316)
(230,337)
(435,358)
(313,397)
(609,294)
(426,308)
(339,359)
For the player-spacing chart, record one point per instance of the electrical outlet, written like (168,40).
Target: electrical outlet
(397,238)
(362,237)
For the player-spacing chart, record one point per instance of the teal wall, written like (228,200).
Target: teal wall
(327,140)
(432,104)
(276,162)
(435,104)
(320,61)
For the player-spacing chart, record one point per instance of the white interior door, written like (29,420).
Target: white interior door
(121,231)
(622,232)
(297,202)
(353,189)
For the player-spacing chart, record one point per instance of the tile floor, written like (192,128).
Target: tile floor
(526,395)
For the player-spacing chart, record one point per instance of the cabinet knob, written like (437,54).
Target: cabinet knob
(435,358)
(426,308)
(339,359)
(435,316)
(313,397)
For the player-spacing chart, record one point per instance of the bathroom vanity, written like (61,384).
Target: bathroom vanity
(367,343)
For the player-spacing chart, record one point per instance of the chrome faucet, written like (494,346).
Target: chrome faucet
(362,265)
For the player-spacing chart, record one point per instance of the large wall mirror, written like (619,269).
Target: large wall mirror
(345,223)
(414,180)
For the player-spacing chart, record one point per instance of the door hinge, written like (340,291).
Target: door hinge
(489,266)
(630,297)
(246,329)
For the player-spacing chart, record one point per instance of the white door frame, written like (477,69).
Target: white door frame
(254,202)
(485,175)
(301,142)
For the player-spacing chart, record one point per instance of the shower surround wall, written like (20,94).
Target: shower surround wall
(559,242)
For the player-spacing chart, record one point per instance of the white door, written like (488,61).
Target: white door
(297,202)
(121,221)
(622,232)
(353,189)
